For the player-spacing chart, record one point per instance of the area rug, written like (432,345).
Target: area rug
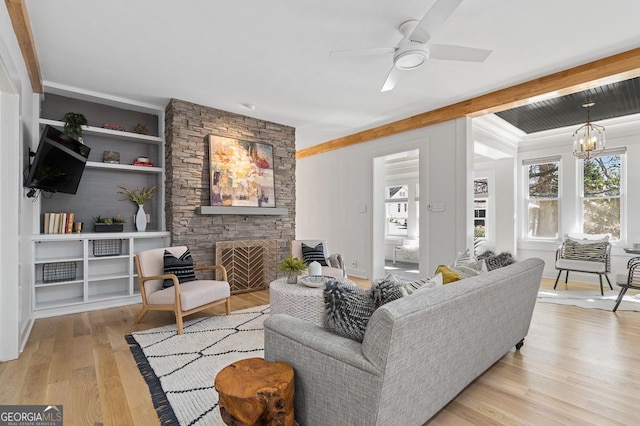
(180,370)
(590,299)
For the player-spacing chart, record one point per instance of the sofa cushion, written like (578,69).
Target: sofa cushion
(314,254)
(386,290)
(495,261)
(448,276)
(412,287)
(181,267)
(464,258)
(348,309)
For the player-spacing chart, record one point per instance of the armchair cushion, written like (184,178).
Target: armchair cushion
(584,251)
(314,254)
(181,267)
(192,294)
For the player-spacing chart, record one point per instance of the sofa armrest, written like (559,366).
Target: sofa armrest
(334,383)
(314,339)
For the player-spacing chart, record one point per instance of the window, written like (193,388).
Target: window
(602,195)
(397,200)
(401,204)
(481,193)
(542,198)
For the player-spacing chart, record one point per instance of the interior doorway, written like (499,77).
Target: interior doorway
(401,219)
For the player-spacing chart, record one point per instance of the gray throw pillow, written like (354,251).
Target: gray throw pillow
(385,290)
(348,309)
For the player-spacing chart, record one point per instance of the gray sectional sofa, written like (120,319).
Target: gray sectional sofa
(418,352)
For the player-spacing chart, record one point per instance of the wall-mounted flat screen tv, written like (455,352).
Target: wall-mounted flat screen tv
(58,163)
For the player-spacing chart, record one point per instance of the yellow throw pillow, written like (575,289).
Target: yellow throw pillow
(448,276)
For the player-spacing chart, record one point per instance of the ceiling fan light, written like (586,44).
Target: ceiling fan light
(410,60)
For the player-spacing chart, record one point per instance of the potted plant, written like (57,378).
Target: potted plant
(108,224)
(139,196)
(293,267)
(73,123)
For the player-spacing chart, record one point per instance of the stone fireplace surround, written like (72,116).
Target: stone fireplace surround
(187,180)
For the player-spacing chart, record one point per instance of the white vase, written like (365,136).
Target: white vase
(141,218)
(315,269)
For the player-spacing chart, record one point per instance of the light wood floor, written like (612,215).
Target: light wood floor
(578,366)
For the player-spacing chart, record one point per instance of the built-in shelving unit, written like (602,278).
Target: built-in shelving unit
(69,277)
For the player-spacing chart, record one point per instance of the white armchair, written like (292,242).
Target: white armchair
(333,263)
(584,253)
(182,298)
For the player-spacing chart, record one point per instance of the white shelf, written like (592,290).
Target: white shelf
(108,296)
(105,277)
(43,260)
(57,303)
(99,236)
(109,257)
(40,283)
(99,131)
(123,167)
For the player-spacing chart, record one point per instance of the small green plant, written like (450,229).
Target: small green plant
(73,123)
(138,195)
(108,220)
(292,266)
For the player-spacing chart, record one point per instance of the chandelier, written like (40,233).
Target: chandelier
(588,140)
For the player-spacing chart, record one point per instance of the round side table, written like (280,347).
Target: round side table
(298,300)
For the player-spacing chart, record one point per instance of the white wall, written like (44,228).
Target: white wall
(335,199)
(19,111)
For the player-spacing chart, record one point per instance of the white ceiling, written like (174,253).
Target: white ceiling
(275,53)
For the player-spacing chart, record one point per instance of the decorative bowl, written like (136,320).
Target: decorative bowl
(314,280)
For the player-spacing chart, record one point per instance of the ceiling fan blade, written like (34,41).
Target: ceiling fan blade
(363,52)
(433,20)
(392,79)
(458,53)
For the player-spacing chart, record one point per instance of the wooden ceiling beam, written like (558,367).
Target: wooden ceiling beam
(22,28)
(614,68)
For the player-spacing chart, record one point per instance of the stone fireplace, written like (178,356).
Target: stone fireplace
(187,188)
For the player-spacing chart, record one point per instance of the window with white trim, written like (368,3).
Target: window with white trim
(542,197)
(602,195)
(480,207)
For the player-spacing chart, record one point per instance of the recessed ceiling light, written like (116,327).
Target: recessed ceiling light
(247,105)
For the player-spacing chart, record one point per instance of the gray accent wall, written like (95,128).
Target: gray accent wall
(187,126)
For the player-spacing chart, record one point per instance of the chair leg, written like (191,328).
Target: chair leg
(623,290)
(179,323)
(142,313)
(566,279)
(601,289)
(227,305)
(607,277)
(557,278)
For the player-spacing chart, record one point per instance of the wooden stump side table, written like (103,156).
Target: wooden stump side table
(255,392)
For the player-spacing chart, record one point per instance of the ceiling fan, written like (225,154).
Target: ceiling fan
(414,48)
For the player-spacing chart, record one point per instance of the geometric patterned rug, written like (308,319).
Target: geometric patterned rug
(590,299)
(180,370)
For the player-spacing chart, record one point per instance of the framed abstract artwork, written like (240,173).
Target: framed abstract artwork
(241,173)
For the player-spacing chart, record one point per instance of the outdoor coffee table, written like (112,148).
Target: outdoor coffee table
(298,300)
